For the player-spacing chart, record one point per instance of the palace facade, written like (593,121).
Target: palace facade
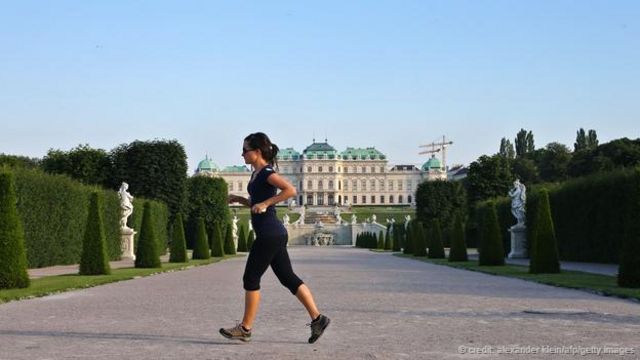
(324,176)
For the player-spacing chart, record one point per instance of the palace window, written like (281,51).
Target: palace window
(364,199)
(409,185)
(240,186)
(231,186)
(308,168)
(381,169)
(330,169)
(400,199)
(330,184)
(409,200)
(381,199)
(364,169)
(355,199)
(346,169)
(309,185)
(373,169)
(382,185)
(355,185)
(364,185)
(319,168)
(390,184)
(373,199)
(399,184)
(320,185)
(373,185)
(390,199)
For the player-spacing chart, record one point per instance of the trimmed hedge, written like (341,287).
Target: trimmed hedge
(629,270)
(242,240)
(458,251)
(178,252)
(250,239)
(215,238)
(380,244)
(160,213)
(544,257)
(147,252)
(93,260)
(13,264)
(419,234)
(491,251)
(229,245)
(201,246)
(436,248)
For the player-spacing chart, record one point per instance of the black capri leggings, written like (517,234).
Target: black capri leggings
(265,251)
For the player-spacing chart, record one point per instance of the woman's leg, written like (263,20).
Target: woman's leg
(251,302)
(304,295)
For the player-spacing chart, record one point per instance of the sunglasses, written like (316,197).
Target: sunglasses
(244,151)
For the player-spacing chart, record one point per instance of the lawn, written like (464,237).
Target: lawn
(595,283)
(61,283)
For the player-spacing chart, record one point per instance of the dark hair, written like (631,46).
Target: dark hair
(260,141)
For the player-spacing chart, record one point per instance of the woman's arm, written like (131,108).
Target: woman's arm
(286,191)
(239,199)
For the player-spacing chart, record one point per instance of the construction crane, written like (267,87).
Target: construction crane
(435,147)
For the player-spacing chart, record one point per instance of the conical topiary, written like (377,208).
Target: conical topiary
(13,257)
(93,260)
(178,251)
(388,244)
(250,239)
(545,258)
(229,245)
(217,249)
(419,239)
(147,250)
(436,248)
(458,251)
(381,240)
(201,246)
(398,231)
(491,248)
(242,240)
(407,245)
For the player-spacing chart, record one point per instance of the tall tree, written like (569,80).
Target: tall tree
(506,149)
(592,139)
(524,143)
(439,200)
(581,141)
(489,177)
(83,163)
(554,162)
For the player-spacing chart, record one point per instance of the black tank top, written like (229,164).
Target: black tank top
(260,190)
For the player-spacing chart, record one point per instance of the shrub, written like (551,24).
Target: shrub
(242,240)
(160,220)
(250,239)
(458,251)
(147,251)
(629,270)
(419,239)
(207,199)
(380,244)
(436,249)
(93,260)
(217,246)
(201,246)
(408,240)
(13,264)
(229,245)
(544,258)
(178,252)
(491,249)
(388,244)
(398,234)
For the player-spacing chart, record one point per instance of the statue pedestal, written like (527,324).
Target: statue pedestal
(126,236)
(518,242)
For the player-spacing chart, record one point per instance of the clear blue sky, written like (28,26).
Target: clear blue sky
(390,74)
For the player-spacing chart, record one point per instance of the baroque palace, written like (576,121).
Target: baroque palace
(325,177)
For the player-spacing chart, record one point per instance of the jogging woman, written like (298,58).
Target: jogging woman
(270,246)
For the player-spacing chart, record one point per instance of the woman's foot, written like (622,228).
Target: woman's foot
(237,332)
(317,327)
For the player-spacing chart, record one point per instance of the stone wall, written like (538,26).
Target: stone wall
(343,234)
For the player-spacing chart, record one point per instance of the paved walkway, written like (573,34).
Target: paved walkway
(73,269)
(594,268)
(382,307)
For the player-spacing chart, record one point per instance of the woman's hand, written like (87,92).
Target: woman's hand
(259,208)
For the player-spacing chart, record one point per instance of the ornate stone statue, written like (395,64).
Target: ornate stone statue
(354,219)
(126,204)
(518,196)
(407,219)
(285,219)
(234,229)
(373,218)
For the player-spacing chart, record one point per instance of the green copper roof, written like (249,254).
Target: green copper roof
(432,163)
(236,168)
(320,151)
(288,154)
(369,153)
(207,165)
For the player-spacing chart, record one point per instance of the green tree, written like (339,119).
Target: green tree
(581,141)
(154,170)
(13,264)
(524,143)
(17,161)
(619,153)
(592,139)
(408,244)
(380,244)
(398,235)
(526,170)
(178,252)
(93,260)
(207,199)
(83,163)
(506,149)
(458,251)
(436,247)
(201,246)
(488,177)
(439,200)
(147,255)
(229,245)
(554,162)
(242,240)
(388,244)
(544,258)
(491,248)
(217,243)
